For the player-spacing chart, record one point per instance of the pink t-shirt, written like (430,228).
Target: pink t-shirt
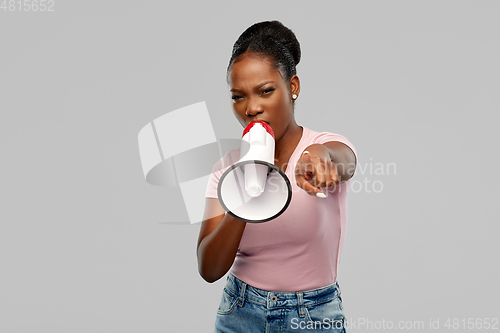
(300,249)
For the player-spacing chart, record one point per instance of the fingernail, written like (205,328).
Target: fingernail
(305,152)
(320,195)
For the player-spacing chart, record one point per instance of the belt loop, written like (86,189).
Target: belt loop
(300,304)
(241,298)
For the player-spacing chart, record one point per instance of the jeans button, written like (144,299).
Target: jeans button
(274,298)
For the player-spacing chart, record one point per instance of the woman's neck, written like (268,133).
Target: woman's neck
(288,142)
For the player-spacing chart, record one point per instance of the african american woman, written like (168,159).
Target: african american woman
(282,274)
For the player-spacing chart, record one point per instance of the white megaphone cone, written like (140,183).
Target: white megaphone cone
(254,189)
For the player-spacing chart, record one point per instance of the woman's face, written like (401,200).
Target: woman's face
(258,89)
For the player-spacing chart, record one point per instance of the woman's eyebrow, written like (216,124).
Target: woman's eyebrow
(256,88)
(263,84)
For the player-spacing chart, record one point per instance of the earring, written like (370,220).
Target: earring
(294,96)
(246,113)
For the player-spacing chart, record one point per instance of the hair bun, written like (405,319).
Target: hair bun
(284,35)
(277,31)
(272,39)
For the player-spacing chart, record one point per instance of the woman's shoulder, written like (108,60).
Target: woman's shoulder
(317,137)
(230,157)
(313,135)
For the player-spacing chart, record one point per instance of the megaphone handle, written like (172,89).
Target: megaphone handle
(269,169)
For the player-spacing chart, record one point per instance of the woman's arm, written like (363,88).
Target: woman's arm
(325,165)
(218,242)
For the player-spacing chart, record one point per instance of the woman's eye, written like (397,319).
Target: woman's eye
(267,91)
(235,97)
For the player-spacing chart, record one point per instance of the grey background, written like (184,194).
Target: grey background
(86,245)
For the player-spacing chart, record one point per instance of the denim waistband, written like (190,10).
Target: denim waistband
(279,299)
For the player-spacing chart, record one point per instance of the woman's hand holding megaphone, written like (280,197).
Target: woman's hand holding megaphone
(315,170)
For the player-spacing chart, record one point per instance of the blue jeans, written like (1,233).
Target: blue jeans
(245,309)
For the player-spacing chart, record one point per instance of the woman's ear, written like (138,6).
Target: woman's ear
(294,85)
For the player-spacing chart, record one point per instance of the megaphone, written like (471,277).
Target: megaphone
(254,189)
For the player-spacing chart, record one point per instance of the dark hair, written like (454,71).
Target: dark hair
(271,39)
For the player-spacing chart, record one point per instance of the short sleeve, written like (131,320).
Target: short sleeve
(324,137)
(218,170)
(213,182)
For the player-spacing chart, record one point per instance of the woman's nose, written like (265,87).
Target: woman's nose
(254,107)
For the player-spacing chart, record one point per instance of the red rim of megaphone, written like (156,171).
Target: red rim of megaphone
(265,125)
